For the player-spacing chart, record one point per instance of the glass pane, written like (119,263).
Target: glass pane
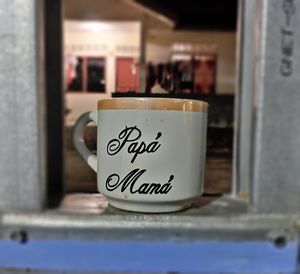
(74,73)
(96,75)
(205,72)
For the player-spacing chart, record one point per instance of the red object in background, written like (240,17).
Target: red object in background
(205,74)
(128,75)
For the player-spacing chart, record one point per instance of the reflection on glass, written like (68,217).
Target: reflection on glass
(205,71)
(184,74)
(96,75)
(74,73)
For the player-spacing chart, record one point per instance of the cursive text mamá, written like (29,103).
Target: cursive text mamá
(128,182)
(130,137)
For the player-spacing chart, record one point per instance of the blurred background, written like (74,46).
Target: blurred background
(181,49)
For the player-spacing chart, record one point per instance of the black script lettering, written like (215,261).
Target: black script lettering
(113,182)
(129,134)
(171,178)
(154,188)
(130,178)
(154,146)
(165,188)
(143,189)
(140,150)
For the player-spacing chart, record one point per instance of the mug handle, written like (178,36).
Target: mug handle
(78,141)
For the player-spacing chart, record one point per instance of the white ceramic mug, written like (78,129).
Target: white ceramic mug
(150,151)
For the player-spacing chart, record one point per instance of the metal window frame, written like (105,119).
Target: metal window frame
(222,236)
(23,132)
(275,184)
(244,99)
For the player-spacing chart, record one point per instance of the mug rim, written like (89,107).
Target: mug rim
(149,103)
